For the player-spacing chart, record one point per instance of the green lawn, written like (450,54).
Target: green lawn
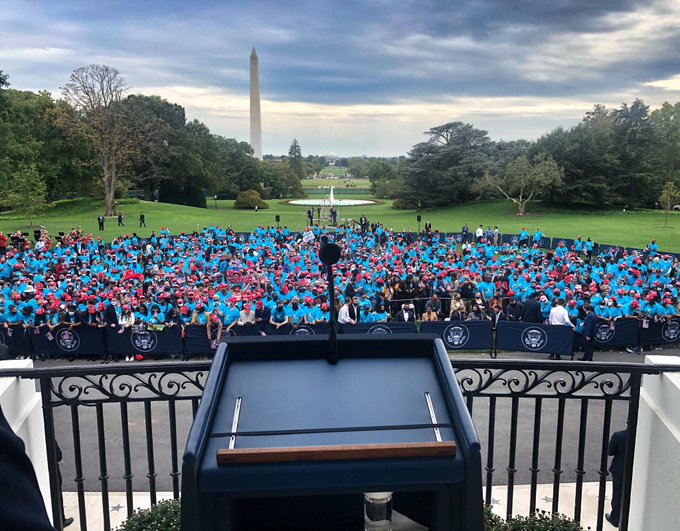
(634,229)
(335,183)
(333,171)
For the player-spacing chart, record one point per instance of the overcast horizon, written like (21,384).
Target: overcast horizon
(359,78)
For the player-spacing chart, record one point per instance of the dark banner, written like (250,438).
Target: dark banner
(392,327)
(624,332)
(566,243)
(300,330)
(17,339)
(196,340)
(512,239)
(461,335)
(241,331)
(78,341)
(659,333)
(526,337)
(138,340)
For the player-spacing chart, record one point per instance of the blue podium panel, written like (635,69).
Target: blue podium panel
(282,394)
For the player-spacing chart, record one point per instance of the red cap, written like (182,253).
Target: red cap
(213,318)
(90,308)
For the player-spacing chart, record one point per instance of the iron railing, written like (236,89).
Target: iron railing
(114,420)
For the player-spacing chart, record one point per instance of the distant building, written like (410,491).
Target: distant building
(331,158)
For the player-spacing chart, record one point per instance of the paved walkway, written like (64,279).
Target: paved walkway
(118,508)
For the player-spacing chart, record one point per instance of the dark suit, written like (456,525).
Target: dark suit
(531,312)
(21,505)
(589,332)
(354,312)
(402,318)
(617,448)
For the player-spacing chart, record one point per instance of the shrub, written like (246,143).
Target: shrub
(404,204)
(163,516)
(194,196)
(189,195)
(248,200)
(539,521)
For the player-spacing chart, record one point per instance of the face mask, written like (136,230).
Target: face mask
(295,306)
(71,313)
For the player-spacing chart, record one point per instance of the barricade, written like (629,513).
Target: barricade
(457,335)
(461,335)
(530,337)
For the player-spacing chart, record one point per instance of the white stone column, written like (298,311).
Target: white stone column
(655,494)
(255,117)
(22,406)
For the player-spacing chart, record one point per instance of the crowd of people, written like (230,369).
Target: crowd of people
(219,279)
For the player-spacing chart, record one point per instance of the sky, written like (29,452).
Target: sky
(365,77)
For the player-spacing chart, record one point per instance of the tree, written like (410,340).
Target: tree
(295,160)
(380,171)
(27,194)
(442,170)
(668,199)
(666,124)
(96,93)
(523,181)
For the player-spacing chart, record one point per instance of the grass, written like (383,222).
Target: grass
(333,171)
(633,229)
(335,183)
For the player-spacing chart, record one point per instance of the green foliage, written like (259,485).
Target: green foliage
(248,200)
(27,193)
(164,516)
(405,204)
(443,170)
(523,181)
(189,195)
(539,521)
(669,197)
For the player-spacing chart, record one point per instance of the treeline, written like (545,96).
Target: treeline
(613,157)
(98,140)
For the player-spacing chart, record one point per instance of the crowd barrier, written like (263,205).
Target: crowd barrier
(456,335)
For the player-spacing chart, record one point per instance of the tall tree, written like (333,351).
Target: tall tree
(442,170)
(380,171)
(669,197)
(523,181)
(666,124)
(27,193)
(96,93)
(295,161)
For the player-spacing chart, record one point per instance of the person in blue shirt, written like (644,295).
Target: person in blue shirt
(537,237)
(279,316)
(523,237)
(296,314)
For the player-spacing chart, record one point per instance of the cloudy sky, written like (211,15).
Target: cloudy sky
(359,77)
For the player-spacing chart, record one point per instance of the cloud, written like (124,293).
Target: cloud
(367,75)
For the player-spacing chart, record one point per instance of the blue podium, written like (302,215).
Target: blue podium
(285,440)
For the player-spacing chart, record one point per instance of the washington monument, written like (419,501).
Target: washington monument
(255,118)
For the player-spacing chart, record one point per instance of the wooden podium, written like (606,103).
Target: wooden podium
(284,440)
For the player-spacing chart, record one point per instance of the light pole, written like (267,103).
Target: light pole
(215,201)
(418,219)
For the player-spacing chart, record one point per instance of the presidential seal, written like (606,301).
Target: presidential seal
(604,333)
(379,329)
(534,338)
(303,330)
(671,331)
(67,340)
(456,336)
(144,341)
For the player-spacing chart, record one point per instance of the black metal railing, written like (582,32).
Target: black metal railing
(121,426)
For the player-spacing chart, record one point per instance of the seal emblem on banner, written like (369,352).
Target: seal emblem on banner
(671,331)
(514,240)
(534,338)
(67,340)
(303,330)
(379,329)
(603,333)
(144,341)
(455,336)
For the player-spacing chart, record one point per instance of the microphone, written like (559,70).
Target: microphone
(329,255)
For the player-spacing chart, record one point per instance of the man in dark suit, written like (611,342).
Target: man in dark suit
(588,332)
(405,315)
(21,505)
(531,312)
(617,448)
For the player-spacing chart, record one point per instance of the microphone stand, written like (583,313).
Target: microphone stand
(329,255)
